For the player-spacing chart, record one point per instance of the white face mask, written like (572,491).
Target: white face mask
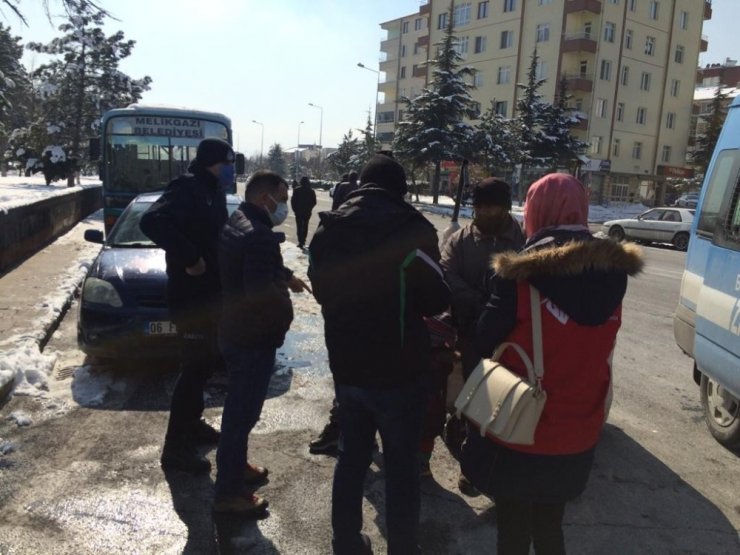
(281,212)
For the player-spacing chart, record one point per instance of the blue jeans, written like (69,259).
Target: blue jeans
(249,376)
(397,414)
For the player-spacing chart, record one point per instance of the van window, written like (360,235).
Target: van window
(723,176)
(731,230)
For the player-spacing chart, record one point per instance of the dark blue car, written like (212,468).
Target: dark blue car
(123,306)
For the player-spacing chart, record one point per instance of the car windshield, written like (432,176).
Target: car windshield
(126,232)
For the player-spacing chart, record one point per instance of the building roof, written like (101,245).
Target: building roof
(707,93)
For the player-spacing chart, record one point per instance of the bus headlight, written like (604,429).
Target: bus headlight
(102,292)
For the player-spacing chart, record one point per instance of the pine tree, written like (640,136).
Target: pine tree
(341,160)
(366,147)
(433,129)
(493,140)
(276,160)
(713,121)
(14,89)
(563,147)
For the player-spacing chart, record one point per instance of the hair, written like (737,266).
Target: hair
(352,177)
(305,181)
(492,191)
(263,181)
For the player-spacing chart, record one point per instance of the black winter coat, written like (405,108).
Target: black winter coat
(374,271)
(185,221)
(257,310)
(303,200)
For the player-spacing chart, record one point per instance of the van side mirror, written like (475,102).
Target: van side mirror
(94,236)
(240,164)
(94,149)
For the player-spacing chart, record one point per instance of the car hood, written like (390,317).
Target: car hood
(129,265)
(622,221)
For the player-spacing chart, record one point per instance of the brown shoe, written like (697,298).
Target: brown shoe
(255,475)
(248,505)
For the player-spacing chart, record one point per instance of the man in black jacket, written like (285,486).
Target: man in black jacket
(344,189)
(302,203)
(257,312)
(374,271)
(185,221)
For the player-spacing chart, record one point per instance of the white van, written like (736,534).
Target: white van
(707,320)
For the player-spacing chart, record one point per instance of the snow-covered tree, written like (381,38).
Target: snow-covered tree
(493,141)
(276,160)
(433,128)
(713,120)
(366,147)
(341,160)
(13,6)
(562,148)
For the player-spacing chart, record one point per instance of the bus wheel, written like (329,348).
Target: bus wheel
(616,233)
(721,412)
(681,241)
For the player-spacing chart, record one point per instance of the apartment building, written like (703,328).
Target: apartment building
(630,67)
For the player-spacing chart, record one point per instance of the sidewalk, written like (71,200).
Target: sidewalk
(33,299)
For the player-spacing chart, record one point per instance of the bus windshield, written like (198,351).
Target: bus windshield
(145,153)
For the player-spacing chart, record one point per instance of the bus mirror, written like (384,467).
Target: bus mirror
(94,149)
(240,164)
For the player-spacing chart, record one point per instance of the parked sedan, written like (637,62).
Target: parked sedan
(123,307)
(688,200)
(659,225)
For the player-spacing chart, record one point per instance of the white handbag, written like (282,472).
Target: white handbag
(501,403)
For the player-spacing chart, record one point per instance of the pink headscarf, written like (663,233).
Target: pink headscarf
(556,199)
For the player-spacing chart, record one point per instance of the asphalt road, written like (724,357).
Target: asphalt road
(84,476)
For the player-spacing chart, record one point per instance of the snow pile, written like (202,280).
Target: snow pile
(20,418)
(21,191)
(89,389)
(615,211)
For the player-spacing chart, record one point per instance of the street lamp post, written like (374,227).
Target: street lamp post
(298,152)
(377,87)
(321,128)
(262,138)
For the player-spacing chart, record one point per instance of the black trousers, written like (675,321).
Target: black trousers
(301,222)
(521,523)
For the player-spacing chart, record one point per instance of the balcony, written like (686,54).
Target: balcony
(575,6)
(704,43)
(390,46)
(579,42)
(708,9)
(423,41)
(581,82)
(425,9)
(582,124)
(419,71)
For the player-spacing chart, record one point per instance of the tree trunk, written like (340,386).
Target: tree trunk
(435,182)
(79,107)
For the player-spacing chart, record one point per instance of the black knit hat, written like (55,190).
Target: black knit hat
(386,173)
(492,191)
(212,151)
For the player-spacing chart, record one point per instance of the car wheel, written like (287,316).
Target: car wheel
(721,412)
(681,241)
(616,233)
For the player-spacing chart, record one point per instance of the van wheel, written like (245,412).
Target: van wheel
(721,412)
(681,241)
(616,233)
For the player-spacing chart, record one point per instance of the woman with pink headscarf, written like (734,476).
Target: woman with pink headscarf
(582,281)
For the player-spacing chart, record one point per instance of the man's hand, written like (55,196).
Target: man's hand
(197,269)
(298,285)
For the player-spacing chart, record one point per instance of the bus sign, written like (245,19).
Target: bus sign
(156,126)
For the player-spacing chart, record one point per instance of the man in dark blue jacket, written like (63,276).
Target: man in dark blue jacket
(257,312)
(374,269)
(185,221)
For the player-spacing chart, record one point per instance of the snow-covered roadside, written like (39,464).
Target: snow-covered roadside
(20,191)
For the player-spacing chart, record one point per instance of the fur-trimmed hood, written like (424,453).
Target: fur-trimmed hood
(570,259)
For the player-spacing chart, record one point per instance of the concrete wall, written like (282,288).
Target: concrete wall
(26,229)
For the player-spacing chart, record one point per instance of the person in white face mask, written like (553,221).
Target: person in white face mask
(257,313)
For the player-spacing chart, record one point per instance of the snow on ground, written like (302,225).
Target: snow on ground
(20,191)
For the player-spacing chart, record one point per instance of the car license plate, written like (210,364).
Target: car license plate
(160,328)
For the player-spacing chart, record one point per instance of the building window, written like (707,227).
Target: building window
(509,5)
(587,30)
(461,46)
(650,46)
(633,5)
(684,20)
(645,81)
(400,115)
(500,107)
(641,116)
(403,72)
(417,24)
(615,2)
(625,75)
(480,44)
(615,148)
(476,108)
(442,21)
(679,54)
(584,68)
(416,48)
(507,39)
(666,155)
(403,50)
(478,79)
(610,29)
(675,87)
(540,71)
(543,32)
(544,2)
(504,75)
(606,70)
(620,111)
(601,107)
(461,15)
(405,27)
(637,151)
(653,9)
(482,10)
(596,145)
(670,120)
(628,39)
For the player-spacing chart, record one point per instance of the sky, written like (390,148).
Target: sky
(266,60)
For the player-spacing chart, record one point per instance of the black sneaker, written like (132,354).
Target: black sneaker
(327,441)
(365,549)
(204,434)
(185,457)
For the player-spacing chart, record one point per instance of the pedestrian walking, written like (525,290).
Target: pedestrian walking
(374,269)
(344,189)
(582,281)
(302,202)
(185,221)
(257,313)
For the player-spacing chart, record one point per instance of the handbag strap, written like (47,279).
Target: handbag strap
(522,355)
(534,301)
